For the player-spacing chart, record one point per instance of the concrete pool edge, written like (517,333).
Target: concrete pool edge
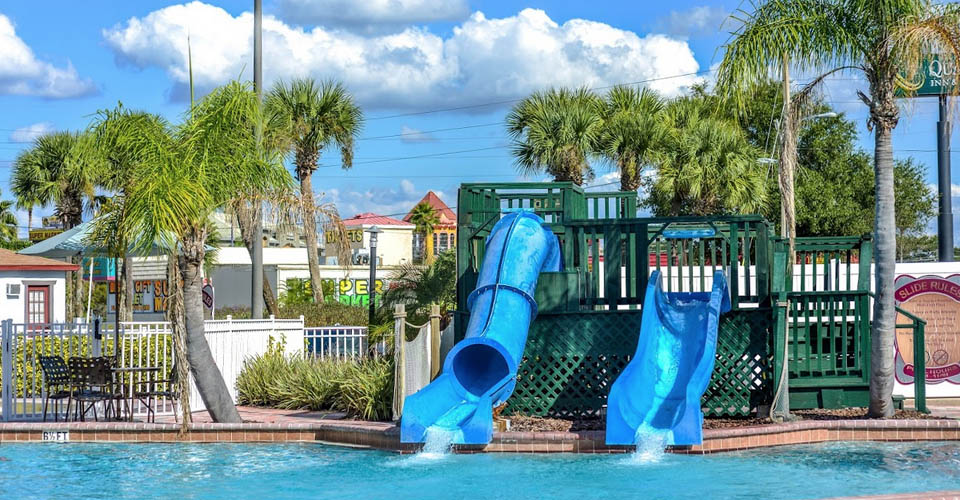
(386,436)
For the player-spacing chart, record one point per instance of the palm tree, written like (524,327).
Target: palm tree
(117,144)
(706,165)
(312,117)
(556,132)
(52,170)
(29,185)
(188,173)
(8,221)
(425,219)
(881,39)
(632,131)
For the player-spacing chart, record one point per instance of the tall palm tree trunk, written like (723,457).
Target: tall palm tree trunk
(788,165)
(629,176)
(127,288)
(884,313)
(310,232)
(209,380)
(174,315)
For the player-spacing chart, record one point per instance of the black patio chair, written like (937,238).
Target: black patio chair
(91,383)
(56,384)
(152,391)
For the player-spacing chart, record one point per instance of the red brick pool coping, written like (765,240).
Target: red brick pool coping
(386,436)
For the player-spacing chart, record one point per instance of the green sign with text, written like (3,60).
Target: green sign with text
(936,76)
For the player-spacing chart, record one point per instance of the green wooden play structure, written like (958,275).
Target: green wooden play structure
(589,313)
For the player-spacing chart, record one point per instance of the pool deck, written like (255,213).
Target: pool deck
(272,425)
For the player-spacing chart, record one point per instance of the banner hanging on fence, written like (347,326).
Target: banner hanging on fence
(936,300)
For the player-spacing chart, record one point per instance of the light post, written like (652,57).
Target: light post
(256,257)
(372,284)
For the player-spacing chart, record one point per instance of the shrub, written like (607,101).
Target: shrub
(417,287)
(258,382)
(313,315)
(363,389)
(366,389)
(326,314)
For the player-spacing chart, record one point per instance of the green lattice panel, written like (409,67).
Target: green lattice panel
(572,359)
(742,373)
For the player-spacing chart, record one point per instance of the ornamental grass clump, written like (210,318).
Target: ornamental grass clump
(258,382)
(362,389)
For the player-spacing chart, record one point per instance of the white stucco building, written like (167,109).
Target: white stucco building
(32,289)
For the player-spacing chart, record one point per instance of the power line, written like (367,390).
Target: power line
(420,132)
(381,160)
(508,101)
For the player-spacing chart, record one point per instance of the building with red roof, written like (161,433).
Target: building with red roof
(33,289)
(444,233)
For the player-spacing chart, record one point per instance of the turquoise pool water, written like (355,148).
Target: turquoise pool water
(301,471)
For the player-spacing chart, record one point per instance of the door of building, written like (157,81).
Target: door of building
(38,304)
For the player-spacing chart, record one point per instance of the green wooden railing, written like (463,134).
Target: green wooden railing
(630,249)
(831,263)
(918,326)
(829,338)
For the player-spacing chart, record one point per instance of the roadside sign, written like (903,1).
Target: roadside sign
(37,235)
(104,269)
(208,296)
(936,76)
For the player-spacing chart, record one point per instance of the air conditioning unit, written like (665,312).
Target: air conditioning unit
(13,289)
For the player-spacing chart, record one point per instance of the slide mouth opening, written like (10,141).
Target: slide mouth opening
(479,367)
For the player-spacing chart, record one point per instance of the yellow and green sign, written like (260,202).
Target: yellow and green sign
(37,235)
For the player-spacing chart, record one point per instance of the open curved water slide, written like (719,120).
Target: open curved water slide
(658,394)
(480,371)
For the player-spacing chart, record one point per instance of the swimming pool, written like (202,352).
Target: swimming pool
(302,470)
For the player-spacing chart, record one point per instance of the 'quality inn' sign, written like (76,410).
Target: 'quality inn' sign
(937,301)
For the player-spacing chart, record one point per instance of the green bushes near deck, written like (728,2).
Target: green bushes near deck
(327,314)
(362,389)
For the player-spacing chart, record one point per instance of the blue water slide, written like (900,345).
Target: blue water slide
(480,371)
(658,393)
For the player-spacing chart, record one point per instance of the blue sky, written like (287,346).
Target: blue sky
(407,66)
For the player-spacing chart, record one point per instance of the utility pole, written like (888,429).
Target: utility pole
(256,271)
(945,219)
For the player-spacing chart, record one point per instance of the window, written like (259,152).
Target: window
(38,304)
(443,242)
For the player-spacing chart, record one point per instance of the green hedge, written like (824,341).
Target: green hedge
(313,315)
(26,356)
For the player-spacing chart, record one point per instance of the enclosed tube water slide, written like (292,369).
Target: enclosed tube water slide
(480,371)
(658,394)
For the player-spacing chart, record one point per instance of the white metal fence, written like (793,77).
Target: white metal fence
(336,342)
(141,344)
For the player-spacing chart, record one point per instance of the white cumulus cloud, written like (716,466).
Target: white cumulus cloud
(371,15)
(394,202)
(31,132)
(696,21)
(483,60)
(21,73)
